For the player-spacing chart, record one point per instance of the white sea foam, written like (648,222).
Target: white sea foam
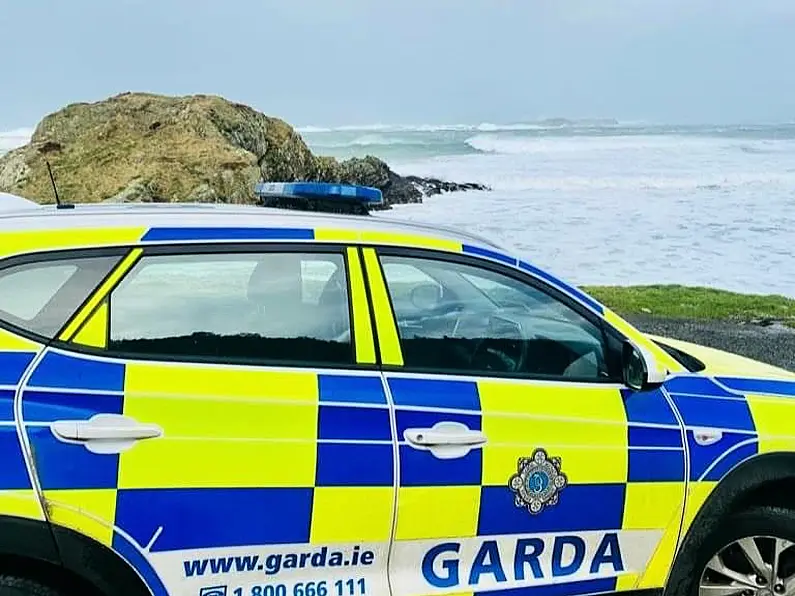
(698,210)
(585,144)
(482,127)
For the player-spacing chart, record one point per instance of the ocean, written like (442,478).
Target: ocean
(607,202)
(603,202)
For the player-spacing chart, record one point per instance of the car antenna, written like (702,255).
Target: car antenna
(58,203)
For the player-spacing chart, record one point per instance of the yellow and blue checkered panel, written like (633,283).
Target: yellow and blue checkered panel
(248,456)
(624,461)
(751,415)
(621,454)
(72,479)
(621,450)
(702,403)
(16,491)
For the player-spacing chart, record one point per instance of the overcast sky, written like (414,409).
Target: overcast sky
(332,62)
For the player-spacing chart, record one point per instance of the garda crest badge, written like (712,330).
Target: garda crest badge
(538,481)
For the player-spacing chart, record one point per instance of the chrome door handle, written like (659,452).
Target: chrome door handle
(445,440)
(105,433)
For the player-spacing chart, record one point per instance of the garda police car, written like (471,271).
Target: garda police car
(244,401)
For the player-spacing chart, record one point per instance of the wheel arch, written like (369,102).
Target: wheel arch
(764,479)
(32,546)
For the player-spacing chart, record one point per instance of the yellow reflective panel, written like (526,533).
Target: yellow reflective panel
(21,503)
(90,512)
(773,422)
(12,243)
(437,511)
(94,331)
(216,421)
(14,343)
(388,339)
(362,327)
(389,238)
(652,506)
(337,235)
(579,423)
(110,282)
(697,495)
(411,240)
(371,522)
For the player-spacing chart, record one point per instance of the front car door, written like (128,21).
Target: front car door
(214,414)
(523,461)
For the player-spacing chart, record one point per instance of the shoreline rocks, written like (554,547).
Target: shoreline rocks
(141,147)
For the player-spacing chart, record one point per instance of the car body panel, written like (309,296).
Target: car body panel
(723,363)
(237,444)
(18,494)
(639,464)
(459,513)
(758,408)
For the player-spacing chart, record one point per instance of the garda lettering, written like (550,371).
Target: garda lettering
(530,559)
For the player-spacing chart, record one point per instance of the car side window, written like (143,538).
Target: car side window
(466,319)
(269,307)
(41,296)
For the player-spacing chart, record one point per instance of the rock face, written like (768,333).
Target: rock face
(150,148)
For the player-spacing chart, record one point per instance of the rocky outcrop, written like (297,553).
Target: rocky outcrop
(154,148)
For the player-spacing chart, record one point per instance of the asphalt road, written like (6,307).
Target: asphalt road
(774,344)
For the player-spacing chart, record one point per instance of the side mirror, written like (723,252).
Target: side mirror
(639,369)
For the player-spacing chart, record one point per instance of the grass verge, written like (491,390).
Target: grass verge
(685,302)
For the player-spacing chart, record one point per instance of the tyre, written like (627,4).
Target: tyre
(18,586)
(751,553)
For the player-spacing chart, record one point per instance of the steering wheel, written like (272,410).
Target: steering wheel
(486,357)
(438,311)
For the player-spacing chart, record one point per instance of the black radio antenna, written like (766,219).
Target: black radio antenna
(58,203)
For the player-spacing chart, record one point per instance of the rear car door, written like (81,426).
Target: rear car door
(214,415)
(37,295)
(523,462)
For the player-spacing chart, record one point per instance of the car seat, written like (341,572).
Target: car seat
(333,308)
(274,289)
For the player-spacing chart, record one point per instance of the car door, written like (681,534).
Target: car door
(523,461)
(214,414)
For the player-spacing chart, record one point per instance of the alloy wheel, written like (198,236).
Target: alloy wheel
(752,566)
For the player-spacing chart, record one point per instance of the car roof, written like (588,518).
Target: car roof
(170,217)
(215,215)
(9,202)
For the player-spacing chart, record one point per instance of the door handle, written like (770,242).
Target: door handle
(105,433)
(707,436)
(445,440)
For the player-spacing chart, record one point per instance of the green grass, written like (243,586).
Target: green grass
(682,302)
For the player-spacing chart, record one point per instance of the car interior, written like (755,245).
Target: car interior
(456,324)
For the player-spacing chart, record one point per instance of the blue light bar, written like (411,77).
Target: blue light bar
(321,190)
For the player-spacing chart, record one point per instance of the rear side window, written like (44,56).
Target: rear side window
(40,297)
(270,306)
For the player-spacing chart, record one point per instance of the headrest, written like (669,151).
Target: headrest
(276,278)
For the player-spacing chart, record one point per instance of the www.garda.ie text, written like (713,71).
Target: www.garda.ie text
(274,563)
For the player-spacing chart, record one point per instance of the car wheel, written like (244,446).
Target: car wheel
(19,586)
(752,553)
